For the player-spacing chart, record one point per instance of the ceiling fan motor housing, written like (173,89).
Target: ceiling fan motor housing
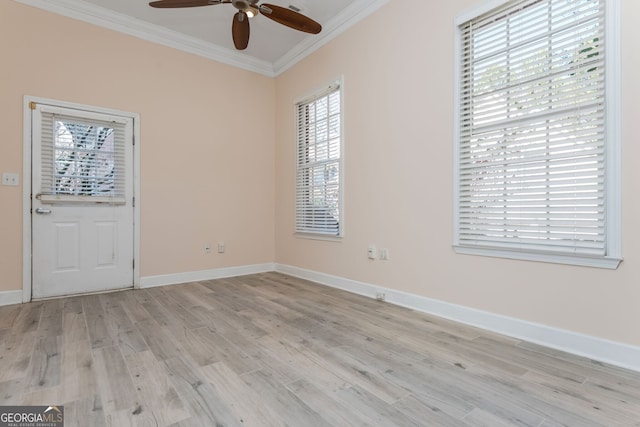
(243,4)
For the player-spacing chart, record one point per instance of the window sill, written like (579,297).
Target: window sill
(314,236)
(554,258)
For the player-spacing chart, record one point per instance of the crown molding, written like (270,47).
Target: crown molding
(115,21)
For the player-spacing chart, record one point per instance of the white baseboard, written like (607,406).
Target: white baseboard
(195,276)
(10,297)
(611,352)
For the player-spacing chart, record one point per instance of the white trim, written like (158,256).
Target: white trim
(26,184)
(196,276)
(106,18)
(137,225)
(611,352)
(613,174)
(26,200)
(553,258)
(457,50)
(10,297)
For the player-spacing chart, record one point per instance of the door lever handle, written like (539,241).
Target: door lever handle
(42,211)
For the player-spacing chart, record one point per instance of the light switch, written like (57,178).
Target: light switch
(12,179)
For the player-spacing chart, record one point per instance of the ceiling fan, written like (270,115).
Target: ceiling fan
(248,9)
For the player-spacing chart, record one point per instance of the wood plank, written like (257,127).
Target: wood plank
(372,410)
(594,370)
(182,314)
(206,347)
(84,412)
(135,418)
(226,321)
(303,364)
(120,326)
(533,360)
(243,401)
(28,318)
(329,407)
(42,396)
(133,307)
(114,383)
(9,314)
(287,406)
(96,324)
(359,372)
(201,399)
(16,350)
(11,392)
(51,319)
(481,418)
(157,394)
(78,372)
(159,340)
(266,359)
(45,367)
(453,384)
(575,398)
(269,349)
(74,324)
(429,411)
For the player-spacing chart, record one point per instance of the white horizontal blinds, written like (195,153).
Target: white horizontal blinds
(319,162)
(82,159)
(532,125)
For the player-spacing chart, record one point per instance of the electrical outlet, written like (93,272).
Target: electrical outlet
(221,247)
(372,253)
(12,179)
(384,254)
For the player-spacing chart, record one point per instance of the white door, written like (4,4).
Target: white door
(82,201)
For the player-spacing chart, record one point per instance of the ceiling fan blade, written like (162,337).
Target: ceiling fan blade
(291,19)
(240,30)
(185,3)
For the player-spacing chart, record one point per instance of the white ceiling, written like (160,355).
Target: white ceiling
(206,30)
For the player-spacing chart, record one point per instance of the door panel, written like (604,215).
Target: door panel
(82,203)
(107,233)
(67,252)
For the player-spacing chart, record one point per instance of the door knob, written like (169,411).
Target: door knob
(42,211)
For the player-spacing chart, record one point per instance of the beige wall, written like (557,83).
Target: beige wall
(398,90)
(206,172)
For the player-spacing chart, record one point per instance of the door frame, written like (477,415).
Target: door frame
(27,249)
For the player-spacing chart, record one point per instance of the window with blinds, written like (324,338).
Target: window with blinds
(82,161)
(532,121)
(319,159)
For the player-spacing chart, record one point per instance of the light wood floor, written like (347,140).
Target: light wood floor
(271,350)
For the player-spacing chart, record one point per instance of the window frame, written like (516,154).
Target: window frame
(322,91)
(612,167)
(51,192)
